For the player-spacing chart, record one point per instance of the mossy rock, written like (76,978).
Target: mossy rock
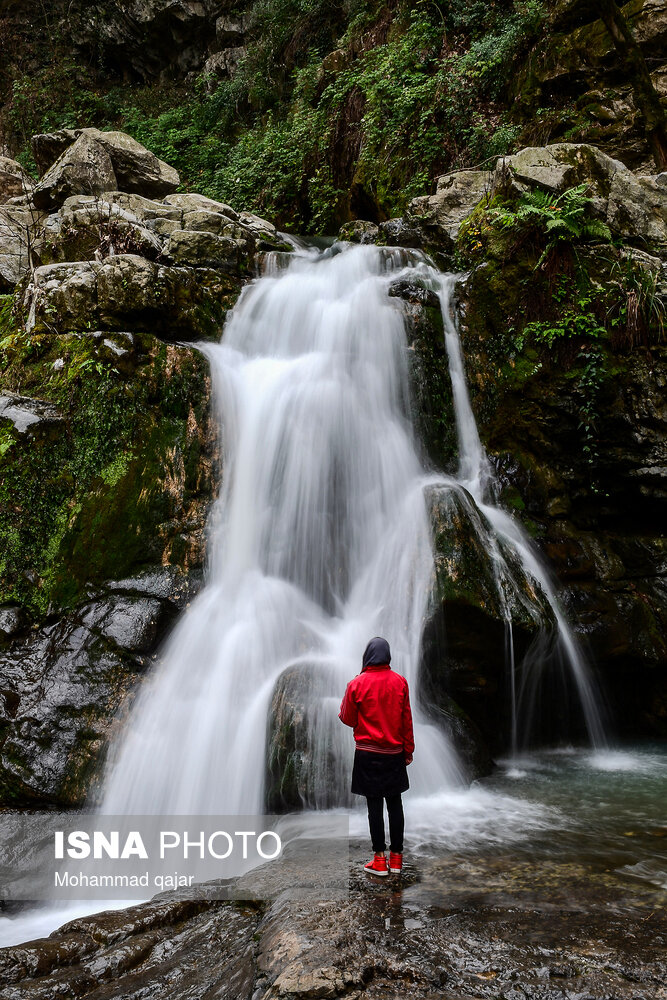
(433,411)
(121,477)
(306,765)
(479,592)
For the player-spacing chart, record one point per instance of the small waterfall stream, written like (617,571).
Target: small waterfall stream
(475,474)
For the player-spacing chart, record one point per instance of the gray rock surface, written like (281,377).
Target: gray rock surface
(637,209)
(19,229)
(93,161)
(203,249)
(14,181)
(63,687)
(125,290)
(439,215)
(359,231)
(31,416)
(302,769)
(137,169)
(194,202)
(11,620)
(85,167)
(453,926)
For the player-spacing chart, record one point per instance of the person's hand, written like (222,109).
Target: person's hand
(408,758)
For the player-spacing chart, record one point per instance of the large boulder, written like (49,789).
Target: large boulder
(47,147)
(359,231)
(481,595)
(137,169)
(558,166)
(84,168)
(91,161)
(126,291)
(634,207)
(438,217)
(225,63)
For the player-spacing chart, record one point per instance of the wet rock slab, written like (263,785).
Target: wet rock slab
(449,927)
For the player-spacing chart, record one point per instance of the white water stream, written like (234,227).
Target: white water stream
(476,476)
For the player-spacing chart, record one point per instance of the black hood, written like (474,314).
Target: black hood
(377,652)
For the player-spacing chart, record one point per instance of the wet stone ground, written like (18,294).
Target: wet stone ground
(458,926)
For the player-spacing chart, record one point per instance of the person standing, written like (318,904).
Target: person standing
(376,705)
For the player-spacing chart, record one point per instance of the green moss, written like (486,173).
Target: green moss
(87,497)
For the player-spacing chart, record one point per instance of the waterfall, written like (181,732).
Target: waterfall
(475,475)
(319,540)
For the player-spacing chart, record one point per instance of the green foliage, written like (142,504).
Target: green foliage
(8,325)
(577,321)
(419,89)
(564,219)
(637,313)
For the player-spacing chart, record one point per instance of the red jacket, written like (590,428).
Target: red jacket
(377,706)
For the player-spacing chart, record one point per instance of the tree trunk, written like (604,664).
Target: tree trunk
(646,98)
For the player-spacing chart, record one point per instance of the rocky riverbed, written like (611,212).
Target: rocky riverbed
(546,881)
(450,927)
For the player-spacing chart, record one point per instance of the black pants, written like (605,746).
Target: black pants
(376,822)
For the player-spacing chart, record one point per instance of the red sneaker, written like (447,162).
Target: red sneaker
(395,863)
(378,866)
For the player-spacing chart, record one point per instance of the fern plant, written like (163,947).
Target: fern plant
(562,219)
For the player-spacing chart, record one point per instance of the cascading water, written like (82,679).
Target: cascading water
(320,540)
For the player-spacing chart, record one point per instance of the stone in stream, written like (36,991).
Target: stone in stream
(302,768)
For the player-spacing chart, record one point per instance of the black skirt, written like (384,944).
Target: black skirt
(379,774)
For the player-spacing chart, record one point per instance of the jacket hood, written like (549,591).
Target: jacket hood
(377,653)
